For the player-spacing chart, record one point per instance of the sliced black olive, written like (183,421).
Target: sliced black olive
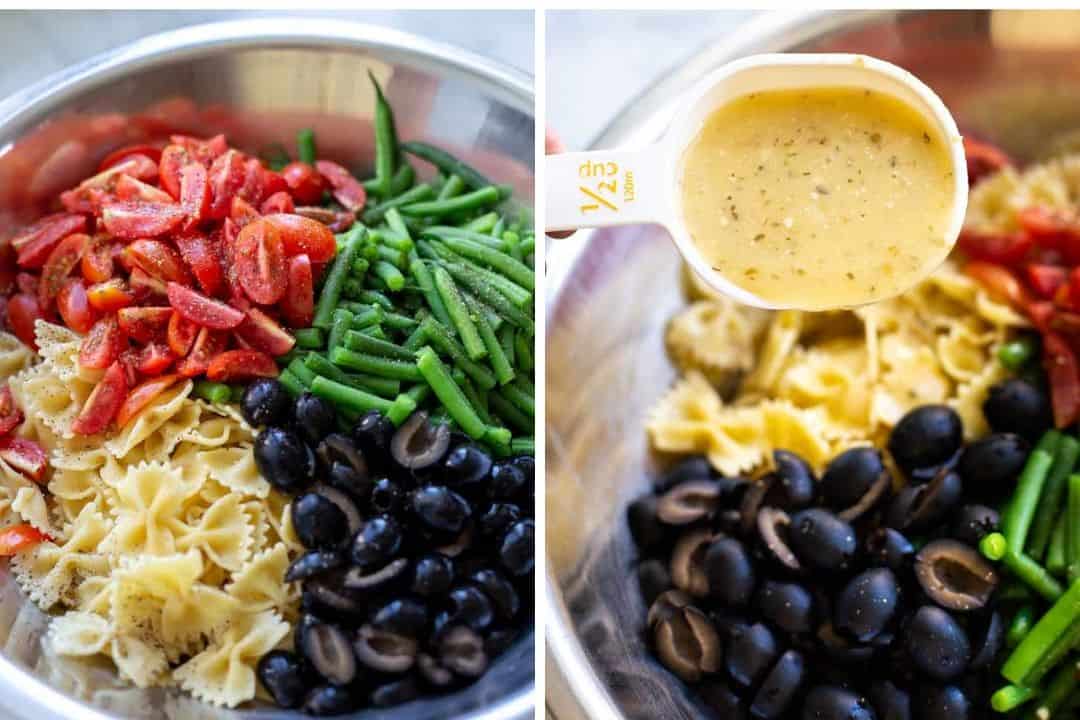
(989,641)
(695,467)
(752,500)
(867,604)
(344,503)
(433,575)
(516,550)
(829,702)
(849,477)
(327,649)
(470,606)
(347,480)
(795,482)
(283,676)
(432,671)
(788,606)
(498,589)
(947,702)
(990,465)
(936,643)
(331,592)
(645,526)
(926,437)
(688,502)
(730,572)
(372,434)
(336,448)
(722,700)
(890,702)
(779,687)
(314,562)
(666,604)
(284,460)
(377,543)
(974,522)
(955,575)
(384,651)
(878,490)
(507,482)
(402,616)
(419,443)
(387,497)
(822,540)
(688,562)
(318,521)
(751,650)
(462,650)
(687,643)
(315,416)
(459,544)
(266,402)
(330,700)
(493,524)
(840,649)
(466,465)
(395,692)
(1017,406)
(440,510)
(773,525)
(359,580)
(889,548)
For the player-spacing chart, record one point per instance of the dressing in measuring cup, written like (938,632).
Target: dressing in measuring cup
(790,181)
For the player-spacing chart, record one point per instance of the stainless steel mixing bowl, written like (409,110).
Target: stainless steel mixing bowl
(1009,76)
(259,81)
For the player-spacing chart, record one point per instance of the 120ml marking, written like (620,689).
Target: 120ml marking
(605,192)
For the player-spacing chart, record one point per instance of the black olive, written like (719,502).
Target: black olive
(283,676)
(315,416)
(377,579)
(750,652)
(496,519)
(377,543)
(752,500)
(516,551)
(314,562)
(330,700)
(936,643)
(849,477)
(470,606)
(1017,406)
(403,616)
(653,579)
(687,643)
(926,437)
(935,501)
(787,606)
(433,672)
(499,641)
(688,502)
(384,651)
(955,575)
(344,503)
(467,465)
(779,687)
(990,640)
(284,460)
(440,509)
(419,443)
(695,467)
(867,604)
(722,701)
(327,649)
(265,402)
(990,465)
(828,702)
(395,692)
(946,702)
(329,596)
(840,649)
(890,702)
(773,527)
(387,497)
(337,448)
(499,590)
(462,650)
(730,572)
(889,548)
(346,479)
(318,521)
(645,526)
(372,434)
(974,522)
(795,482)
(507,482)
(822,540)
(433,575)
(527,465)
(687,562)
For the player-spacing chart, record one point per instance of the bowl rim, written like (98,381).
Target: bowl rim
(23,692)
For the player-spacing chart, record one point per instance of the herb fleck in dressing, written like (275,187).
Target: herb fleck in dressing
(819,198)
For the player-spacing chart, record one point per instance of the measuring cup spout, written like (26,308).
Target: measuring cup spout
(605,188)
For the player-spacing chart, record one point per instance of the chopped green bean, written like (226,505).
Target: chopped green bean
(506,339)
(416,340)
(523,446)
(305,146)
(1056,562)
(513,292)
(371,297)
(389,275)
(521,400)
(482,224)
(395,257)
(342,322)
(523,349)
(1053,493)
(424,279)
(417,193)
(449,394)
(1033,575)
(365,343)
(497,359)
(1048,642)
(1010,697)
(302,372)
(375,365)
(397,321)
(459,315)
(403,179)
(453,187)
(397,224)
(513,244)
(446,162)
(291,383)
(502,305)
(335,278)
(510,414)
(288,357)
(309,338)
(1072,529)
(440,337)
(348,397)
(440,232)
(214,392)
(499,439)
(499,262)
(1020,626)
(528,245)
(319,365)
(1017,353)
(475,200)
(478,401)
(1061,686)
(372,315)
(1018,514)
(993,546)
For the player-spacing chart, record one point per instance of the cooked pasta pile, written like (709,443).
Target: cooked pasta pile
(168,546)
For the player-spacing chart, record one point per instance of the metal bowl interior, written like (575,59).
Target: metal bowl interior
(259,82)
(1006,76)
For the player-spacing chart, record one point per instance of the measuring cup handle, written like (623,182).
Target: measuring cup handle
(606,187)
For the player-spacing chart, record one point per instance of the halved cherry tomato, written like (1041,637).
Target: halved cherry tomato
(24,455)
(143,324)
(131,219)
(259,256)
(1053,229)
(128,188)
(998,281)
(110,295)
(241,365)
(103,345)
(1060,364)
(298,303)
(202,257)
(181,334)
(208,344)
(137,166)
(87,201)
(154,359)
(74,306)
(226,178)
(203,310)
(62,260)
(23,310)
(1001,248)
(252,189)
(1045,279)
(104,402)
(202,151)
(14,539)
(34,248)
(982,159)
(144,286)
(347,190)
(279,202)
(305,183)
(56,225)
(261,332)
(194,193)
(173,159)
(117,156)
(303,235)
(241,212)
(10,414)
(97,262)
(142,395)
(158,260)
(272,183)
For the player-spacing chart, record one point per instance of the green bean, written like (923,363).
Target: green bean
(373,315)
(993,546)
(523,446)
(386,144)
(375,365)
(397,321)
(478,401)
(1015,592)
(424,279)
(446,162)
(397,224)
(1068,452)
(440,232)
(402,180)
(1033,575)
(498,438)
(405,404)
(288,357)
(305,146)
(493,318)
(417,339)
(392,256)
(1010,697)
(348,397)
(1058,690)
(475,200)
(449,394)
(459,315)
(1017,353)
(1018,514)
(417,193)
(502,305)
(309,338)
(342,321)
(439,336)
(516,294)
(361,264)
(483,224)
(510,414)
(513,243)
(393,241)
(497,261)
(214,392)
(528,244)
(521,400)
(389,275)
(301,371)
(291,383)
(1020,626)
(500,226)
(339,271)
(1047,643)
(497,359)
(365,343)
(1056,562)
(371,297)
(1072,529)
(523,349)
(506,339)
(453,187)
(319,365)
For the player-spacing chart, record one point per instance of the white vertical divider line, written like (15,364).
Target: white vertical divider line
(540,353)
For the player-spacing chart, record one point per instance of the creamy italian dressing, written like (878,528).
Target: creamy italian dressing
(818,198)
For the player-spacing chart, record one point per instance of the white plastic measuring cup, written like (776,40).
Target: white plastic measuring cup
(627,187)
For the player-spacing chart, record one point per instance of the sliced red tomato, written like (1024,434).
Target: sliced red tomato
(1045,279)
(128,188)
(1002,248)
(144,324)
(1059,361)
(74,306)
(1042,314)
(252,189)
(181,334)
(56,225)
(154,359)
(983,159)
(261,332)
(305,183)
(202,310)
(129,363)
(27,283)
(303,235)
(104,402)
(158,260)
(272,183)
(119,155)
(202,151)
(87,201)
(208,344)
(23,310)
(103,344)
(24,455)
(259,256)
(10,414)
(226,177)
(173,159)
(298,303)
(194,193)
(97,262)
(62,260)
(34,249)
(15,539)
(1053,229)
(142,395)
(338,222)
(999,282)
(241,212)
(110,296)
(202,258)
(346,189)
(131,219)
(235,365)
(137,166)
(279,202)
